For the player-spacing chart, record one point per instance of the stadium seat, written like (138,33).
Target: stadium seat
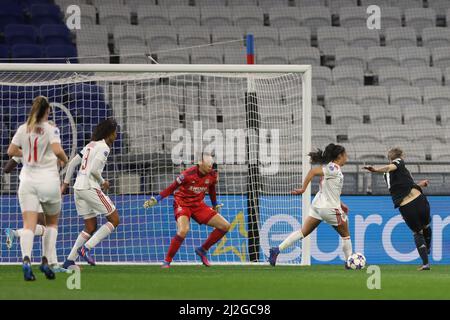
(338,95)
(381,57)
(271,55)
(158,36)
(207,55)
(351,17)
(282,17)
(112,16)
(134,54)
(266,5)
(414,57)
(437,96)
(235,55)
(55,35)
(419,115)
(425,76)
(406,4)
(392,17)
(182,16)
(364,133)
(330,38)
(315,17)
(238,3)
(323,135)
(171,54)
(4,53)
(295,37)
(246,16)
(317,115)
(427,135)
(10,13)
(369,150)
(436,37)
(336,5)
(150,15)
(20,34)
(26,53)
(170,3)
(395,135)
(385,115)
(404,96)
(93,53)
(99,3)
(420,18)
(351,57)
(372,96)
(309,3)
(304,55)
(61,51)
(45,14)
(128,35)
(345,115)
(228,33)
(92,34)
(445,121)
(348,76)
(393,76)
(441,57)
(440,152)
(191,35)
(264,36)
(363,37)
(401,37)
(88,13)
(205,3)
(321,79)
(213,16)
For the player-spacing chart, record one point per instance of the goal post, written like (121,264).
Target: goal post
(164,112)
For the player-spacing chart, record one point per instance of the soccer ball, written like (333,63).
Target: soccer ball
(356,261)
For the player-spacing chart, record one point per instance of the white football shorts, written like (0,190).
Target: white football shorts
(93,202)
(40,197)
(334,217)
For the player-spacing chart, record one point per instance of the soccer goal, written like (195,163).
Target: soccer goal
(255,119)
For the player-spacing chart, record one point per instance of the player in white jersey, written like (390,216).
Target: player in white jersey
(90,200)
(327,205)
(38,143)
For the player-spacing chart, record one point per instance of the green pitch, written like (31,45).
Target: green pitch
(230,282)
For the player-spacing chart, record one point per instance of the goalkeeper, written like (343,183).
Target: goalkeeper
(193,183)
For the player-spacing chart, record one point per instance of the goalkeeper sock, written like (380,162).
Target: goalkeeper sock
(215,236)
(26,242)
(175,244)
(421,247)
(83,237)
(347,247)
(104,231)
(427,235)
(49,241)
(293,237)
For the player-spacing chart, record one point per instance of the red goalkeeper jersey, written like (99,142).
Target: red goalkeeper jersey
(192,187)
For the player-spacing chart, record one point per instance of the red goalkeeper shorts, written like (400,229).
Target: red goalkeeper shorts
(201,213)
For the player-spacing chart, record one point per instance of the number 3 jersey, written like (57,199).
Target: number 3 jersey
(94,156)
(39,161)
(329,195)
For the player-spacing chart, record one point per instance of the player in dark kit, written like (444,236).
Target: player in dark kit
(192,184)
(412,203)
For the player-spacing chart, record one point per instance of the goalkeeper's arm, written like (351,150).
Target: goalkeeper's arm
(163,194)
(213,196)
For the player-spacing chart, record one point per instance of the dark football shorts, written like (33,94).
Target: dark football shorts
(416,213)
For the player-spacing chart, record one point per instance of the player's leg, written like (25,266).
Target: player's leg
(311,223)
(12,234)
(221,227)
(51,211)
(105,230)
(343,230)
(425,220)
(183,226)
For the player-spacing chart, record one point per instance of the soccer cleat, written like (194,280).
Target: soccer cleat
(84,253)
(27,271)
(68,263)
(9,237)
(273,255)
(346,266)
(45,269)
(58,269)
(165,265)
(425,267)
(202,254)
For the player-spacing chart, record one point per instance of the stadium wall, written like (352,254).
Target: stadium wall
(377,230)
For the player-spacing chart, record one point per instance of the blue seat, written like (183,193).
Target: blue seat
(4,53)
(54,93)
(64,52)
(90,91)
(45,14)
(54,34)
(10,13)
(20,34)
(27,53)
(18,114)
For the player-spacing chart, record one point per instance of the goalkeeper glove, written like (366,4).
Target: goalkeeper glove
(150,203)
(217,207)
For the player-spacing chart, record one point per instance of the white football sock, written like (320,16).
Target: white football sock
(39,231)
(104,231)
(26,242)
(49,242)
(83,237)
(17,233)
(294,236)
(347,247)
(53,259)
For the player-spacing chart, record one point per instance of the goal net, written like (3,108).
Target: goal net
(255,120)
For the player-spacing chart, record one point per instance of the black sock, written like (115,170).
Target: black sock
(421,247)
(427,236)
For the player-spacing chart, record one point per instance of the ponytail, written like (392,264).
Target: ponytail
(38,109)
(331,153)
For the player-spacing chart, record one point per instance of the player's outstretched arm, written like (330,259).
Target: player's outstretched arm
(423,183)
(165,193)
(389,168)
(318,171)
(213,196)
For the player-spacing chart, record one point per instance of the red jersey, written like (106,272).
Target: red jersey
(192,187)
